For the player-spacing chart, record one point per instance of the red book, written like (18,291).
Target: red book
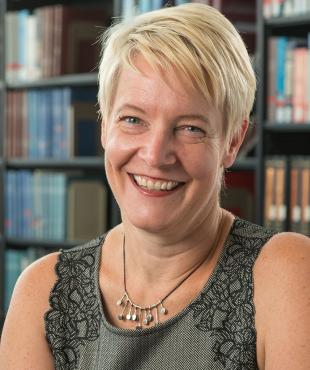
(75,42)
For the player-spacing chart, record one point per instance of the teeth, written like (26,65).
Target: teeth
(155,185)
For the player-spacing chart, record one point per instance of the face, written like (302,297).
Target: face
(164,151)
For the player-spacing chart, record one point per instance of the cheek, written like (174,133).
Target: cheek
(118,150)
(203,164)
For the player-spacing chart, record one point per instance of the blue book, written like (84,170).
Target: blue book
(38,206)
(49,122)
(31,117)
(65,138)
(157,4)
(60,206)
(28,204)
(9,203)
(280,77)
(14,202)
(22,199)
(15,263)
(45,204)
(17,204)
(145,6)
(41,123)
(57,126)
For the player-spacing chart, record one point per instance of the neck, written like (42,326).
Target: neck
(160,261)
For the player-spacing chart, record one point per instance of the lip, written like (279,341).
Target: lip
(155,193)
(153,178)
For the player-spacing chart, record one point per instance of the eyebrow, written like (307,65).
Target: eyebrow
(200,117)
(130,106)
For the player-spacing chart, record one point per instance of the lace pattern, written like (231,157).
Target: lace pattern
(227,310)
(224,310)
(74,317)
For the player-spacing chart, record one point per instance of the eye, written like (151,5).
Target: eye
(131,120)
(191,131)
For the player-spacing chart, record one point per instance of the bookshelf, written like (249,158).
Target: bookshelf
(92,165)
(88,165)
(284,138)
(2,167)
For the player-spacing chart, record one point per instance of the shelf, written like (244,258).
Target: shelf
(31,4)
(83,79)
(76,163)
(287,139)
(50,244)
(287,127)
(292,21)
(244,164)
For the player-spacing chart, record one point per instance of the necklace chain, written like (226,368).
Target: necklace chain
(144,315)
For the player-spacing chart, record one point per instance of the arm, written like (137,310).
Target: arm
(23,342)
(282,301)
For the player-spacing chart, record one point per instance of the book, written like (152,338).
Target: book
(281,45)
(270,201)
(52,123)
(86,209)
(53,40)
(295,198)
(77,38)
(305,197)
(300,55)
(237,195)
(271,84)
(84,130)
(288,87)
(285,8)
(280,201)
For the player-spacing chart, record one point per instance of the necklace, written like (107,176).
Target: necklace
(144,315)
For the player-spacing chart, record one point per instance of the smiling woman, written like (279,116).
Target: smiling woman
(180,283)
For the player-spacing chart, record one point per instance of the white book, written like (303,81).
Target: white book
(288,8)
(308,87)
(288,84)
(32,67)
(11,46)
(276,9)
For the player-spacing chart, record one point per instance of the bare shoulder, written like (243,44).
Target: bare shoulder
(282,302)
(23,343)
(286,243)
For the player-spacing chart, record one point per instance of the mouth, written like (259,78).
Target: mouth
(155,185)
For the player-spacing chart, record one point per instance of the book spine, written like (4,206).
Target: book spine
(281,211)
(305,197)
(271,88)
(270,206)
(280,79)
(22,54)
(299,84)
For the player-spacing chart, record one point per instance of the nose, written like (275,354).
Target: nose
(158,150)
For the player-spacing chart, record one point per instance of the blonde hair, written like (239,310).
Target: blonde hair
(196,40)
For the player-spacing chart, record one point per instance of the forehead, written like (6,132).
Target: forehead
(159,89)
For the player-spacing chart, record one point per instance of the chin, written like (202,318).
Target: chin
(151,224)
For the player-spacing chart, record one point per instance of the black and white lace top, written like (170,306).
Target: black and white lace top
(215,332)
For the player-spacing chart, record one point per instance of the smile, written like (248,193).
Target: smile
(157,185)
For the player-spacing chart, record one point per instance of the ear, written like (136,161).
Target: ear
(234,145)
(103,134)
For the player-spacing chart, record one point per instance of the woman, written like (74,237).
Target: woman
(180,283)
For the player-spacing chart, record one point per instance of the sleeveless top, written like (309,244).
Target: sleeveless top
(216,331)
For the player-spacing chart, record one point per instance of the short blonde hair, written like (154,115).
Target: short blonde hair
(193,38)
